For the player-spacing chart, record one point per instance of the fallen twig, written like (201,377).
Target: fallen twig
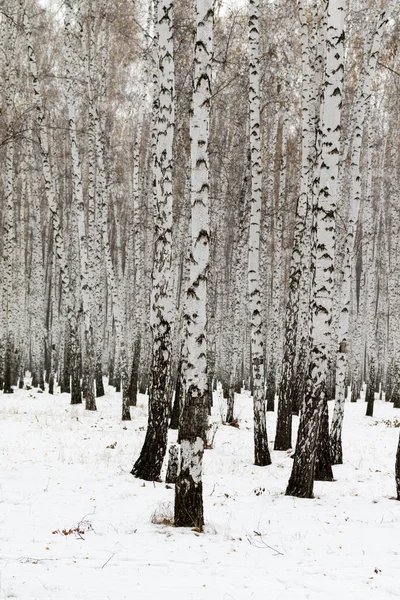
(107,561)
(262,544)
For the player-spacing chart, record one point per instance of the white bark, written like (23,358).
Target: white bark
(188,491)
(261,451)
(149,463)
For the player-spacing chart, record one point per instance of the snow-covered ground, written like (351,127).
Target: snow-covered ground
(63,468)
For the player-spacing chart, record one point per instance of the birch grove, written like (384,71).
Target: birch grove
(199,209)
(324,215)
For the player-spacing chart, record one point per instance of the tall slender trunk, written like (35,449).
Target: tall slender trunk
(261,450)
(371,282)
(148,465)
(189,485)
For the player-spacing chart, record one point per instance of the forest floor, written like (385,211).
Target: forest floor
(75,524)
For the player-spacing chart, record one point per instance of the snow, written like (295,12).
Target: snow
(59,472)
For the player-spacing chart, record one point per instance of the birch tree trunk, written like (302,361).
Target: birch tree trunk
(371,281)
(148,465)
(287,387)
(301,481)
(189,485)
(393,376)
(261,450)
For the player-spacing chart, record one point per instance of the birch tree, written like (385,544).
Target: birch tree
(148,465)
(189,485)
(261,450)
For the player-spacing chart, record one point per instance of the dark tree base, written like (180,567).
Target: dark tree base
(126,413)
(90,401)
(283,434)
(336,452)
(99,386)
(76,396)
(301,482)
(262,457)
(149,464)
(283,437)
(51,384)
(299,491)
(189,487)
(230,406)
(370,399)
(7,376)
(189,492)
(323,463)
(189,506)
(323,471)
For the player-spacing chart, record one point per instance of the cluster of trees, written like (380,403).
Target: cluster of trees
(191,194)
